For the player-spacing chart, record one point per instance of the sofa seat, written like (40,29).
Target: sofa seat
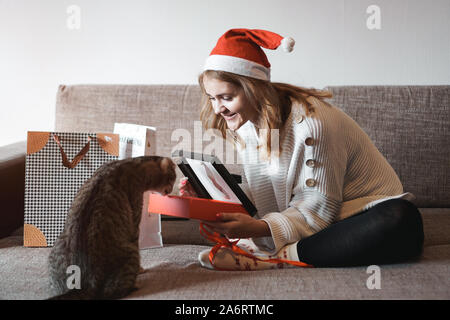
(172,272)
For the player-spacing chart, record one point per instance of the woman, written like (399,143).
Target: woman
(325,195)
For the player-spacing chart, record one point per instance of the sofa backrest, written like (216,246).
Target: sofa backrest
(95,108)
(409,124)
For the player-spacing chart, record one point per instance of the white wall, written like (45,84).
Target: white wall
(166,42)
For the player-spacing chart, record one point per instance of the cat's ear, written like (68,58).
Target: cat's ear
(167,164)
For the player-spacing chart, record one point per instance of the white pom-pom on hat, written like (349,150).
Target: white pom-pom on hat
(288,44)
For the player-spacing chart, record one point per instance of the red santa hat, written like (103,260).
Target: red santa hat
(239,51)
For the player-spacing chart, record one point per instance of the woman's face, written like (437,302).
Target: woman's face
(229,102)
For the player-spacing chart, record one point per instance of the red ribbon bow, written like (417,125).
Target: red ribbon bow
(223,242)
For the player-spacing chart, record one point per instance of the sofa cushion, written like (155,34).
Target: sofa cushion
(12,187)
(436,226)
(166,107)
(174,273)
(180,231)
(410,126)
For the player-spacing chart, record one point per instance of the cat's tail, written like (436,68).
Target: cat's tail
(74,294)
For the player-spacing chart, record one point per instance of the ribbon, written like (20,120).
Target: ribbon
(223,242)
(72,164)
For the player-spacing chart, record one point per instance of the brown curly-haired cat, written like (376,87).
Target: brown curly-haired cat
(101,231)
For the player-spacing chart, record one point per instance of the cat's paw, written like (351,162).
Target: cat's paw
(142,270)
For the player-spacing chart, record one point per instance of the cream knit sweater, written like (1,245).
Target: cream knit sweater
(329,170)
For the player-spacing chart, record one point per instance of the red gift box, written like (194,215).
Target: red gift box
(191,207)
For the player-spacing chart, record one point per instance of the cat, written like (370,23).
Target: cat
(101,231)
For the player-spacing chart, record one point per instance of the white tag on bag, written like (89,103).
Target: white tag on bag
(135,141)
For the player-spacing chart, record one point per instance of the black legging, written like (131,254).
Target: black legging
(389,232)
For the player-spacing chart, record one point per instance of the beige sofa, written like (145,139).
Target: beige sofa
(409,124)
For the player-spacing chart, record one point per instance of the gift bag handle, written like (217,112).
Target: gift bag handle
(72,164)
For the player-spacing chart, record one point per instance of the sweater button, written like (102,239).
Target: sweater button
(311,163)
(300,119)
(309,141)
(310,182)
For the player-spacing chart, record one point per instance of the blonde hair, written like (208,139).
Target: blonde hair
(271,100)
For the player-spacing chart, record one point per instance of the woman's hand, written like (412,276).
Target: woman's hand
(238,225)
(185,188)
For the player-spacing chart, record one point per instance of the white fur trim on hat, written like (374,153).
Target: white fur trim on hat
(288,44)
(237,65)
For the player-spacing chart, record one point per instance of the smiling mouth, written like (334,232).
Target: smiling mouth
(229,116)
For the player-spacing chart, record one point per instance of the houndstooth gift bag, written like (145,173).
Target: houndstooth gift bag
(135,141)
(57,165)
